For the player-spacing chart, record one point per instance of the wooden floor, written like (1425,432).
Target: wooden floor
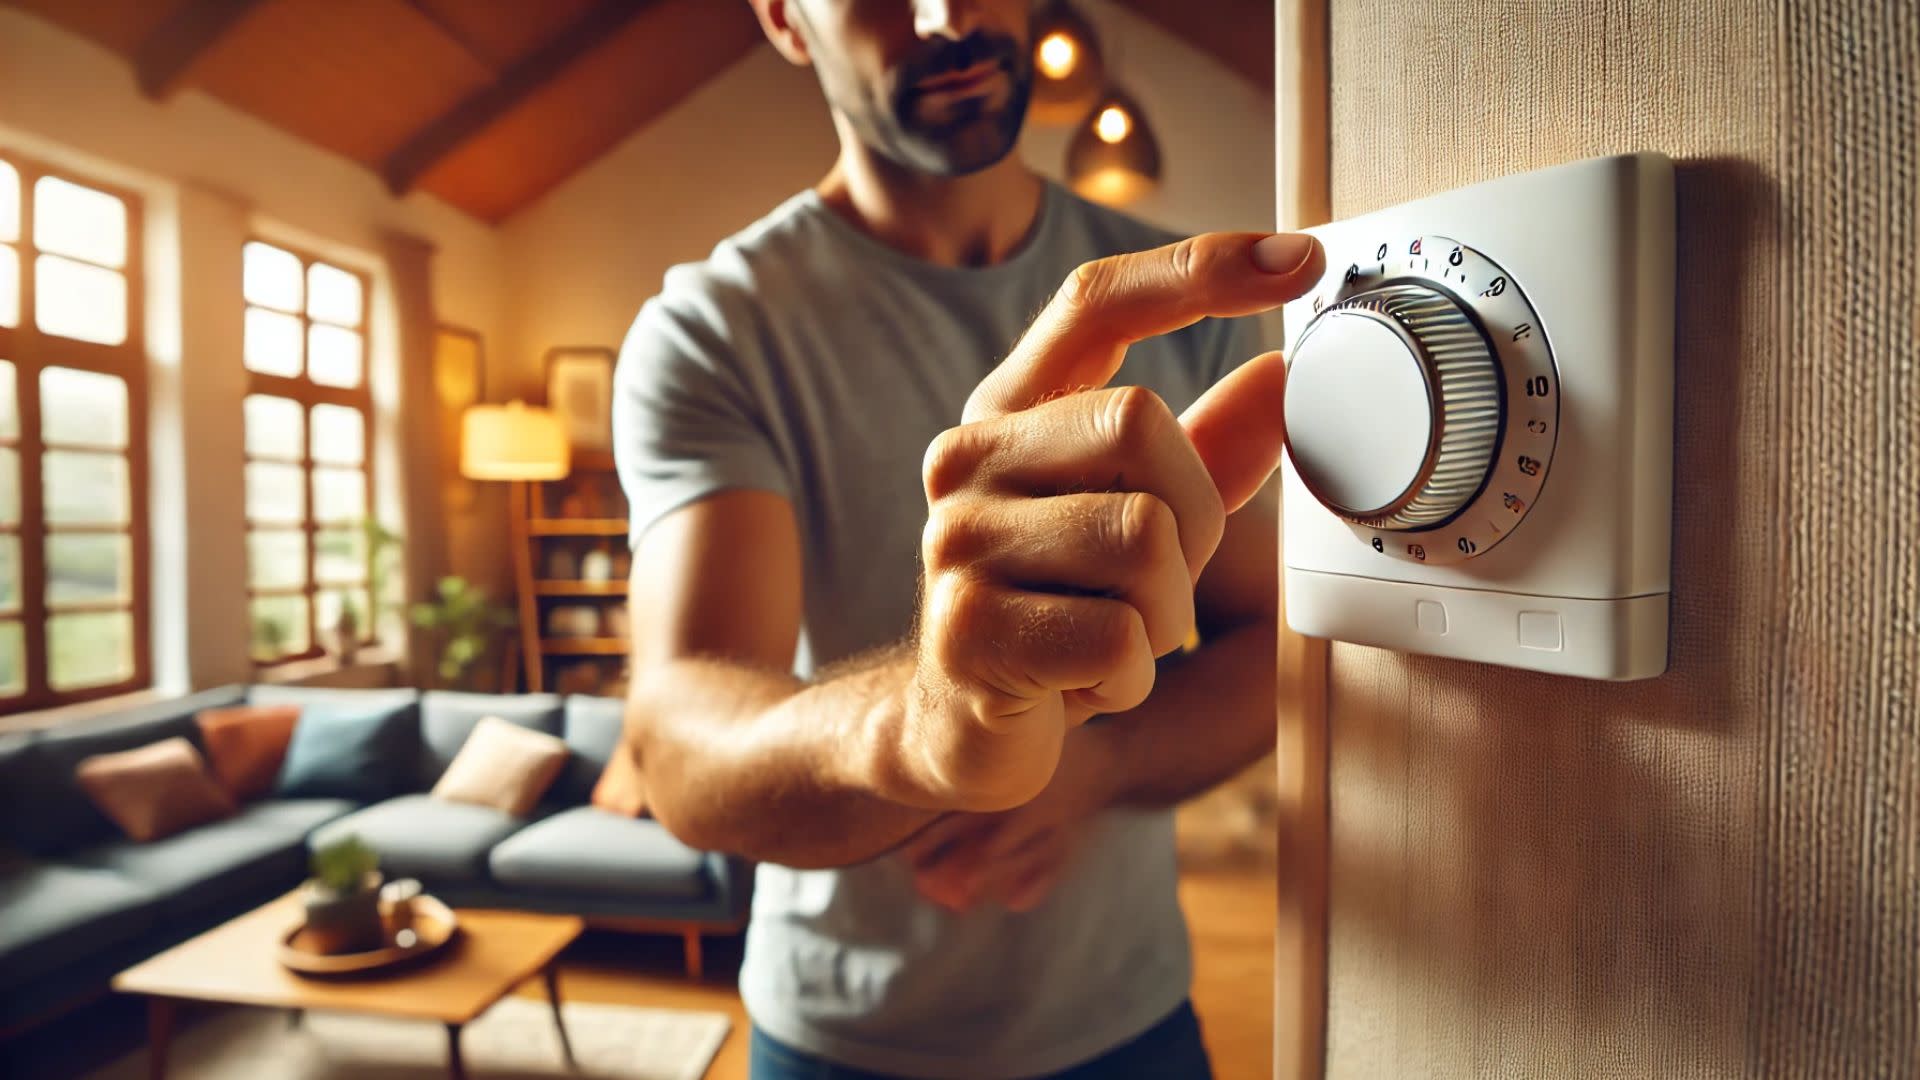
(1231,915)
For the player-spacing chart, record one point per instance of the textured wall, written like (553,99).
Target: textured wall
(1716,873)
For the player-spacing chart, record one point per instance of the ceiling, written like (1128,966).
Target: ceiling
(488,104)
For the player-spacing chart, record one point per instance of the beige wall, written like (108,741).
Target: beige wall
(211,177)
(585,257)
(1715,873)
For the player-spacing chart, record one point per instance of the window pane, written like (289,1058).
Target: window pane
(79,301)
(9,403)
(279,626)
(336,356)
(339,435)
(340,555)
(9,286)
(326,612)
(9,203)
(276,494)
(273,427)
(273,343)
(333,295)
(339,495)
(13,658)
(270,276)
(9,486)
(92,649)
(84,488)
(83,407)
(10,574)
(88,568)
(276,559)
(72,220)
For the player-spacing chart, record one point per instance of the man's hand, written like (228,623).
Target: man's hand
(1067,524)
(1015,857)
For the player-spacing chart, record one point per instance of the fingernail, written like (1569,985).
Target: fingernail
(1282,253)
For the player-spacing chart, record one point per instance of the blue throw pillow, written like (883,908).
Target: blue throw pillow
(348,752)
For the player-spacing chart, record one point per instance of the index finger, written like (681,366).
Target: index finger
(1106,305)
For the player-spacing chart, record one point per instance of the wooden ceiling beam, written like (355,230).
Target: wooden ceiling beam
(447,133)
(165,59)
(1238,33)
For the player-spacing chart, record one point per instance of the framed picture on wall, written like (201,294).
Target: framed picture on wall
(580,390)
(459,380)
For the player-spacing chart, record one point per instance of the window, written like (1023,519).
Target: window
(307,416)
(73,463)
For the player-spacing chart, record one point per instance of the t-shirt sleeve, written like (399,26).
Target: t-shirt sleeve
(685,423)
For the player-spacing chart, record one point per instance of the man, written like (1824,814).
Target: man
(882,583)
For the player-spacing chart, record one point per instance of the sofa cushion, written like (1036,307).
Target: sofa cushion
(57,914)
(589,851)
(260,849)
(355,751)
(504,766)
(41,804)
(156,790)
(593,728)
(447,718)
(419,836)
(246,745)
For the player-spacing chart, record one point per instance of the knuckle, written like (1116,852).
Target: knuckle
(1112,640)
(951,459)
(1144,529)
(953,537)
(1133,417)
(1182,254)
(1090,284)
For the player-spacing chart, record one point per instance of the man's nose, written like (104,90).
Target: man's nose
(950,19)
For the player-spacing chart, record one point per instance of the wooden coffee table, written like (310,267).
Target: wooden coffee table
(236,963)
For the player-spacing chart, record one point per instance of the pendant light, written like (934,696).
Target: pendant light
(1113,158)
(1067,69)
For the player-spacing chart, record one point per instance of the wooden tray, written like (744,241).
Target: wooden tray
(434,925)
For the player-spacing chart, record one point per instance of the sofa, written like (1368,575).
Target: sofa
(79,901)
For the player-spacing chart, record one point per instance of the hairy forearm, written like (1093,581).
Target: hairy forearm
(1211,715)
(760,764)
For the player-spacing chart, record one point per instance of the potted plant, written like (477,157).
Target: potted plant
(467,624)
(343,898)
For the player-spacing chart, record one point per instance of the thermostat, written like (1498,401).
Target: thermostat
(1479,415)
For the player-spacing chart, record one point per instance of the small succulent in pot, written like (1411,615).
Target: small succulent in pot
(343,898)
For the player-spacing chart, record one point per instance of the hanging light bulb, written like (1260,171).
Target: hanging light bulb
(1113,158)
(1067,72)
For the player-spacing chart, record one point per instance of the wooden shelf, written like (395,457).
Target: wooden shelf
(584,646)
(580,588)
(577,527)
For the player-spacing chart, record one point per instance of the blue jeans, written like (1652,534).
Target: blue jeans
(1170,1050)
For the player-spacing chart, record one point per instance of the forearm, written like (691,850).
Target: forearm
(1211,715)
(761,764)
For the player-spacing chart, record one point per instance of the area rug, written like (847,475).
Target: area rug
(515,1040)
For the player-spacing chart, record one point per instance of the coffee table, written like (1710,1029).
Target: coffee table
(236,963)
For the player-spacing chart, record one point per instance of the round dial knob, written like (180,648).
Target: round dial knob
(1393,407)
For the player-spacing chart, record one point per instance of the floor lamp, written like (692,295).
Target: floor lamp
(518,443)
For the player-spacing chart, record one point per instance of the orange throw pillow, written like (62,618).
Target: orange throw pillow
(503,765)
(621,790)
(156,790)
(246,744)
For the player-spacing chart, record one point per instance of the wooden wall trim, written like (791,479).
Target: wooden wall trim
(1303,197)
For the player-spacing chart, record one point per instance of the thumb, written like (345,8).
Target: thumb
(1238,427)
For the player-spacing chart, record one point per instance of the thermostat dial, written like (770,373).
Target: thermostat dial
(1422,401)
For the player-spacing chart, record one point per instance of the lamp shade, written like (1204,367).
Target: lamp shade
(1113,158)
(1067,67)
(512,442)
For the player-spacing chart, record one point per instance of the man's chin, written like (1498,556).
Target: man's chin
(959,150)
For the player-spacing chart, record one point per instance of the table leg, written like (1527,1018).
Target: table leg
(456,1069)
(159,1035)
(553,999)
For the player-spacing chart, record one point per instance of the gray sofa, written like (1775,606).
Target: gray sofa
(79,902)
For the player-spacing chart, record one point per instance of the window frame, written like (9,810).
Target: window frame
(31,352)
(302,390)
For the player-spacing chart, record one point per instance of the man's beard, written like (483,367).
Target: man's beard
(970,134)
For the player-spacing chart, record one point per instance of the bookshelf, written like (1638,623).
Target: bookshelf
(570,575)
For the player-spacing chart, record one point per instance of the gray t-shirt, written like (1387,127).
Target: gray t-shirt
(804,357)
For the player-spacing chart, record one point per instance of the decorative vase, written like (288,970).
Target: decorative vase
(343,922)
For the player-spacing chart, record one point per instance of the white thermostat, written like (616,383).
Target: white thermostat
(1479,416)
